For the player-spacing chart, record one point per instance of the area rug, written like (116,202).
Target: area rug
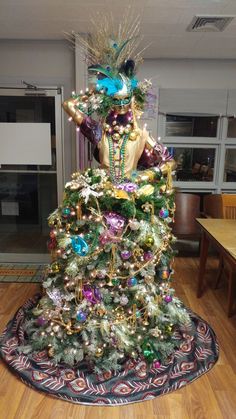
(136,382)
(21,273)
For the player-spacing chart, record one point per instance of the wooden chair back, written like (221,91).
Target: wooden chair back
(212,206)
(229,206)
(187,209)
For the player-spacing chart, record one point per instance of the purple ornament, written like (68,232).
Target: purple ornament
(41,321)
(93,295)
(115,221)
(163,213)
(125,254)
(101,274)
(88,294)
(148,256)
(156,364)
(168,298)
(128,187)
(97,294)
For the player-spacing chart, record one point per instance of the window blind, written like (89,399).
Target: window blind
(193,101)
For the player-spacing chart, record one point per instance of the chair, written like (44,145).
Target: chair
(212,206)
(187,209)
(229,206)
(229,212)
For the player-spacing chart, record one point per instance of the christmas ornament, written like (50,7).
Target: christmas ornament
(124,300)
(132,282)
(115,221)
(79,246)
(134,224)
(128,187)
(163,213)
(101,274)
(81,316)
(99,352)
(55,267)
(115,281)
(149,241)
(52,234)
(41,321)
(51,352)
(148,352)
(164,274)
(120,194)
(145,190)
(147,256)
(168,298)
(66,212)
(97,294)
(93,295)
(156,364)
(125,254)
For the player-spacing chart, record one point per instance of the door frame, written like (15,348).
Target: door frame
(58,94)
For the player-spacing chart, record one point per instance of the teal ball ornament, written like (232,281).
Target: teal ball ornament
(132,282)
(66,212)
(164,213)
(79,246)
(81,316)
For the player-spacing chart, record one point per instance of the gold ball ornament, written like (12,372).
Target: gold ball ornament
(107,127)
(99,352)
(116,136)
(55,267)
(149,241)
(51,352)
(133,136)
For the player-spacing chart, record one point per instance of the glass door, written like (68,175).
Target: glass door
(31,171)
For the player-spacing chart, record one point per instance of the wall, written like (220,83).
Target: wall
(185,73)
(43,63)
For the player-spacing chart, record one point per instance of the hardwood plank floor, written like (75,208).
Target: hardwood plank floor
(211,396)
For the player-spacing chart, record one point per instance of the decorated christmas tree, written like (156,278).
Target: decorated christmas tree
(107,294)
(108,327)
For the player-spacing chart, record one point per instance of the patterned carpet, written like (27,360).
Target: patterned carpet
(136,382)
(21,272)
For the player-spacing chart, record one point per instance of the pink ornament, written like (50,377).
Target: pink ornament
(147,256)
(168,298)
(156,364)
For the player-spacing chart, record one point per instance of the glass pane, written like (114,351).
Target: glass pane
(191,126)
(26,199)
(30,109)
(230,165)
(194,164)
(231,128)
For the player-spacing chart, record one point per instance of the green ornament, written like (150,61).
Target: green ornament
(115,281)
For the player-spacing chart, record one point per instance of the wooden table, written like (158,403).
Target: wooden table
(222,234)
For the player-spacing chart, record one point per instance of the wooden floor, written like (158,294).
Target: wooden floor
(211,396)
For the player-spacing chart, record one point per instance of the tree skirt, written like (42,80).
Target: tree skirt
(135,383)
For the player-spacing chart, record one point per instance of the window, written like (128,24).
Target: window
(191,126)
(230,165)
(194,164)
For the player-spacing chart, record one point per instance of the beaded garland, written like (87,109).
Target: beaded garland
(117,173)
